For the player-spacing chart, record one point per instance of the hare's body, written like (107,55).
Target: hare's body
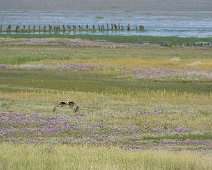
(72,105)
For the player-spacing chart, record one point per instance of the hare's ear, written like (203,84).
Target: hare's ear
(54,108)
(71,103)
(62,103)
(76,109)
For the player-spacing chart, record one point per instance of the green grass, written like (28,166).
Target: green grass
(28,58)
(42,157)
(96,82)
(180,137)
(116,39)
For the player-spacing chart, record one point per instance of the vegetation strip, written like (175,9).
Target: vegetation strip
(164,41)
(180,137)
(24,157)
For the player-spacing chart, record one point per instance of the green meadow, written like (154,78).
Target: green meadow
(167,41)
(141,107)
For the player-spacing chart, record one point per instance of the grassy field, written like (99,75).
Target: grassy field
(86,157)
(135,100)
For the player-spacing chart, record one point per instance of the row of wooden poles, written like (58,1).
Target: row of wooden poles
(186,44)
(64,28)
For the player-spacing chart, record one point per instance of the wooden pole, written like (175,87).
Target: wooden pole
(50,28)
(34,28)
(69,27)
(102,27)
(141,28)
(17,29)
(115,26)
(119,27)
(108,27)
(29,28)
(64,28)
(24,28)
(44,28)
(128,27)
(9,28)
(111,26)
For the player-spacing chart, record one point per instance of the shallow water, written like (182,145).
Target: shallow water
(156,24)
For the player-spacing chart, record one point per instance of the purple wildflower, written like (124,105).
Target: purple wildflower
(5,66)
(80,67)
(180,130)
(164,74)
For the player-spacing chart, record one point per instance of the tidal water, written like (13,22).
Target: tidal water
(180,24)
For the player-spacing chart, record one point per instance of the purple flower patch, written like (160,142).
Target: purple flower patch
(5,66)
(11,122)
(168,74)
(77,67)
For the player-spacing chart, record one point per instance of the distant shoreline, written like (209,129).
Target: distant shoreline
(110,5)
(113,11)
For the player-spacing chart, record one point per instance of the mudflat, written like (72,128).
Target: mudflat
(109,5)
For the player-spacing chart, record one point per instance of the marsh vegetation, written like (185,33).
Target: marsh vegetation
(133,99)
